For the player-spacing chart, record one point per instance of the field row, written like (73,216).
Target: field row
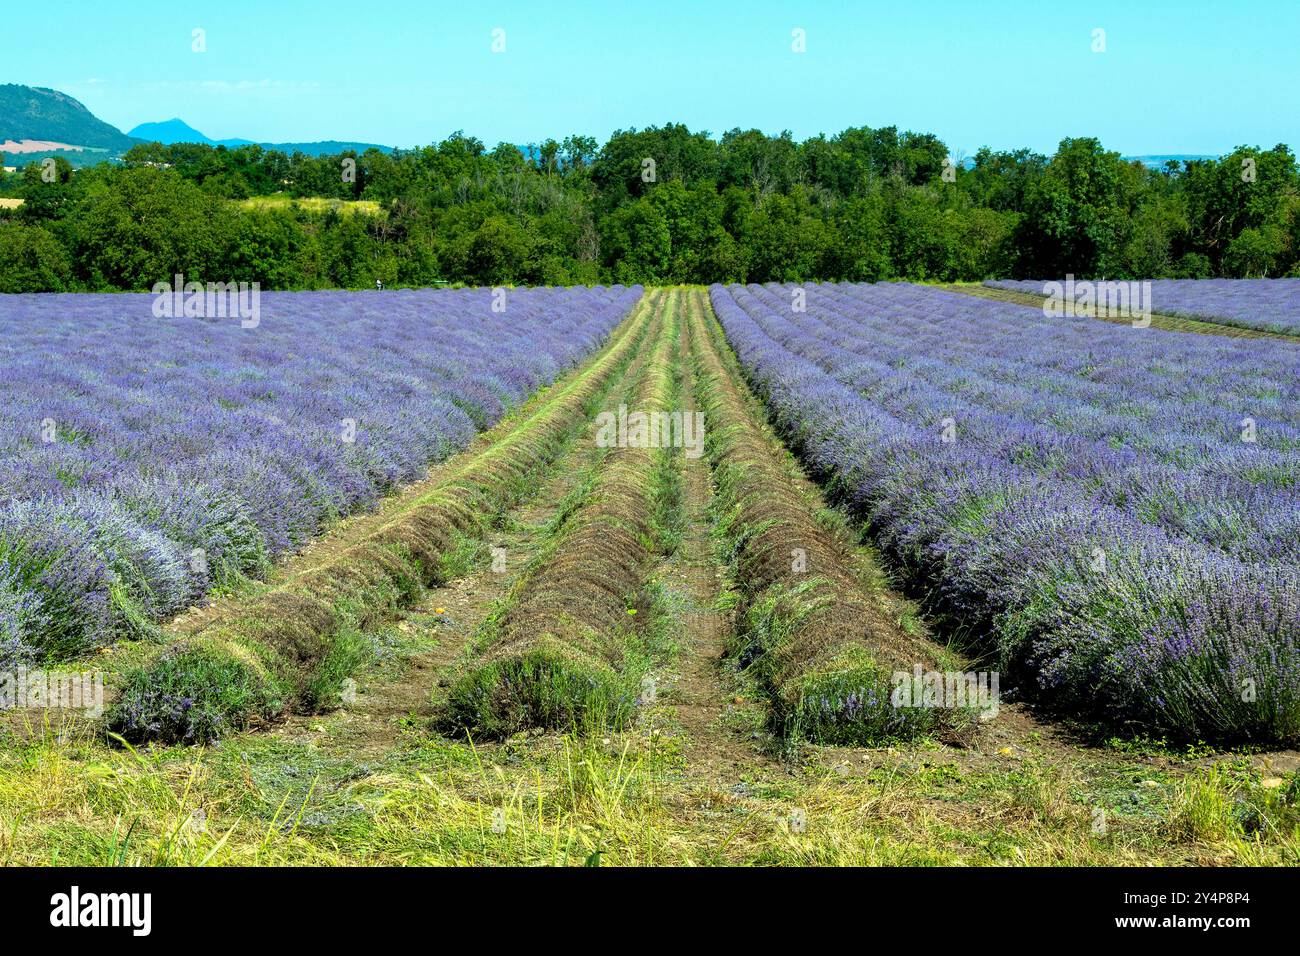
(290,646)
(565,648)
(1117,511)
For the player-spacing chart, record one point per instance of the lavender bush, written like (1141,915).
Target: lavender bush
(1116,508)
(1270,305)
(144,461)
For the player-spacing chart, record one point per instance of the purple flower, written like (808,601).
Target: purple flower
(1079,491)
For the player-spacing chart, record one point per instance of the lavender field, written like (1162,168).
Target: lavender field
(1268,305)
(144,461)
(1115,512)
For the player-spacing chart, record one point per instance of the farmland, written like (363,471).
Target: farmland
(169,459)
(1140,558)
(369,585)
(312,204)
(1264,305)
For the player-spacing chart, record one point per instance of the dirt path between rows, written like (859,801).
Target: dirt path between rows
(440,628)
(444,623)
(697,700)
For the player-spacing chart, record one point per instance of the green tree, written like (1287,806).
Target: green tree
(787,240)
(859,246)
(1255,253)
(33,259)
(142,226)
(1076,216)
(1241,191)
(638,244)
(47,190)
(497,253)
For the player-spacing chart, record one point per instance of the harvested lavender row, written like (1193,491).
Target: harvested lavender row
(145,460)
(1270,305)
(1116,507)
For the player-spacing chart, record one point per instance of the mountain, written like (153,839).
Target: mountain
(51,117)
(168,132)
(36,122)
(178,131)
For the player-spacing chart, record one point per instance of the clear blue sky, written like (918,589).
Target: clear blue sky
(1187,77)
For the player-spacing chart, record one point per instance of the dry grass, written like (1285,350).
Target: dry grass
(625,799)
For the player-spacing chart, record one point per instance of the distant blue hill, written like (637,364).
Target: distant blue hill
(173,131)
(1155,162)
(168,132)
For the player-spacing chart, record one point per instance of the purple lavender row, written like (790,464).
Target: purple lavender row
(1179,459)
(145,461)
(1086,495)
(1269,305)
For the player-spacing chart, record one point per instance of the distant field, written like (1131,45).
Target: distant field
(314,204)
(12,147)
(1264,305)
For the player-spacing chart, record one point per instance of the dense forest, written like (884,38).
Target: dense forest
(660,205)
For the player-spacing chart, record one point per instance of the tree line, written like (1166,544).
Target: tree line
(657,205)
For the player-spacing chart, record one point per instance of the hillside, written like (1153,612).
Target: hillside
(36,113)
(36,122)
(326,147)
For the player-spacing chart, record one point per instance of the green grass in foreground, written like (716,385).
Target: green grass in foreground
(311,795)
(369,784)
